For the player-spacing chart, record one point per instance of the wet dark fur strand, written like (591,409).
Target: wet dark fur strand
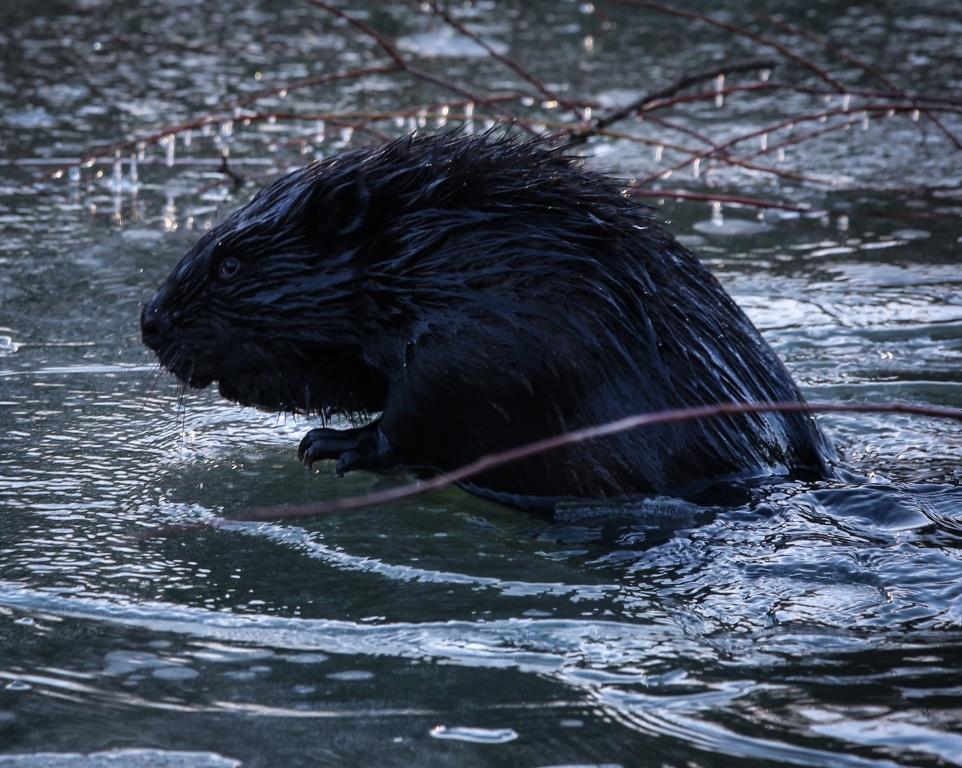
(482,293)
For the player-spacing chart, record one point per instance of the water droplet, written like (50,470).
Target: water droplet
(282,93)
(865,121)
(915,115)
(320,129)
(846,100)
(719,87)
(398,121)
(227,128)
(351,676)
(588,43)
(118,169)
(73,173)
(659,152)
(586,114)
(696,167)
(763,142)
(765,75)
(842,223)
(469,110)
(171,147)
(781,154)
(188,137)
(474,735)
(550,104)
(170,214)
(347,132)
(717,217)
(587,7)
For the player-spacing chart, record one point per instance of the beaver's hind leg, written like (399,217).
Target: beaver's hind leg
(359,448)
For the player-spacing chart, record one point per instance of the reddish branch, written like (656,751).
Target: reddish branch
(806,137)
(577,132)
(916,99)
(713,197)
(865,67)
(871,108)
(402,64)
(487,463)
(220,114)
(617,115)
(742,32)
(510,63)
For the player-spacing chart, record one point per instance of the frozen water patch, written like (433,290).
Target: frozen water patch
(120,758)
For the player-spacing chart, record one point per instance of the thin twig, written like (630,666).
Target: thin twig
(714,197)
(510,63)
(604,121)
(213,116)
(402,64)
(229,172)
(720,148)
(742,32)
(864,66)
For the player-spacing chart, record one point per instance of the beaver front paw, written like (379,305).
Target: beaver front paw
(360,448)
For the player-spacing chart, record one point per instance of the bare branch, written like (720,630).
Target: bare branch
(510,63)
(865,67)
(605,121)
(742,32)
(715,197)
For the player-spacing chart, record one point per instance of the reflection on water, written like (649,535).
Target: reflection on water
(814,625)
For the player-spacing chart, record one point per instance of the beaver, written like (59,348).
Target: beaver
(473,294)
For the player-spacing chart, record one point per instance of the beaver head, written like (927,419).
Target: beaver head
(269,303)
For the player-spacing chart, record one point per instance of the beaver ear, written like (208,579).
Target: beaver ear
(345,206)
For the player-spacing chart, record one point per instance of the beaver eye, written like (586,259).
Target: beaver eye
(228,268)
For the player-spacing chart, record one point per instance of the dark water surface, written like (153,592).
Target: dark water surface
(819,626)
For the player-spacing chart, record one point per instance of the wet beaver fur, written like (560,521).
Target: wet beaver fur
(479,293)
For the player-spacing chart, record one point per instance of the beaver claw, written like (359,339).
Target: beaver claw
(359,448)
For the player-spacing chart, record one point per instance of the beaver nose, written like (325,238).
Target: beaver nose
(155,324)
